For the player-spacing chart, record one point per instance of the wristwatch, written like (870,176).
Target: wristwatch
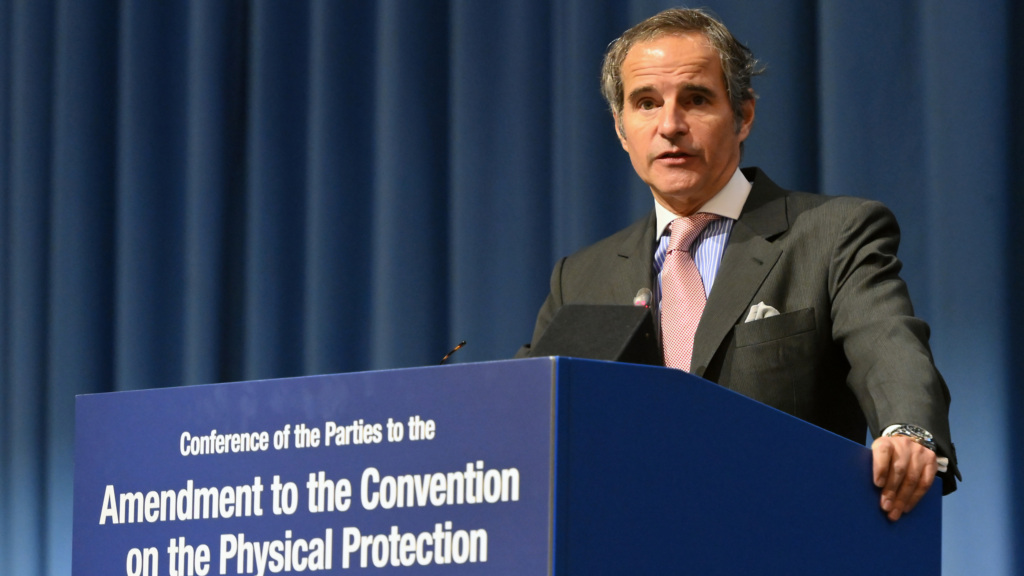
(915,433)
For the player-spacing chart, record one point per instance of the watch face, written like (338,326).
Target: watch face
(917,431)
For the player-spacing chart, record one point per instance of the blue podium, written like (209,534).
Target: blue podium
(539,466)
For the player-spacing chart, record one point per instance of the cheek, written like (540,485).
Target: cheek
(634,145)
(720,137)
(638,160)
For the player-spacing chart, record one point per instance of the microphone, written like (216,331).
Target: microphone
(643,298)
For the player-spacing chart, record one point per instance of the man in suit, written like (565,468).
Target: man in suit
(792,299)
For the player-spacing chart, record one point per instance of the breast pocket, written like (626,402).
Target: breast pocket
(775,328)
(773,360)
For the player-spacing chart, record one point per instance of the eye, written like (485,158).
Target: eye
(699,100)
(645,104)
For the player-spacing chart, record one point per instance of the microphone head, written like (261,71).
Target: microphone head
(643,298)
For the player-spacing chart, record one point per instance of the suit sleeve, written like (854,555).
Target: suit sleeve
(892,371)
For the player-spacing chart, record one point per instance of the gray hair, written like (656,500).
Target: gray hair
(738,62)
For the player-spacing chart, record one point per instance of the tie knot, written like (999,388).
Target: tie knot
(686,230)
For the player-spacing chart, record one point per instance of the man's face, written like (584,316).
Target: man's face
(676,121)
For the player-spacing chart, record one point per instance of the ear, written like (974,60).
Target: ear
(616,119)
(747,108)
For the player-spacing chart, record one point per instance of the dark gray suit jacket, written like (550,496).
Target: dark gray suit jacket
(846,351)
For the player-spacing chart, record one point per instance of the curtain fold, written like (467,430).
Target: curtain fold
(150,196)
(275,183)
(340,178)
(198,192)
(214,191)
(23,469)
(409,218)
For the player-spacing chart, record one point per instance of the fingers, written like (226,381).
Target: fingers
(881,454)
(919,478)
(904,470)
(889,472)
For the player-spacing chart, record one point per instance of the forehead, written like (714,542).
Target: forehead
(684,57)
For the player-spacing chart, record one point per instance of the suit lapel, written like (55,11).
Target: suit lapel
(748,258)
(636,254)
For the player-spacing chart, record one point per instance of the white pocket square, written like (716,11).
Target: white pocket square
(760,311)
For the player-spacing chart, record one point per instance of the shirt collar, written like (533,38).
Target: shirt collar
(727,203)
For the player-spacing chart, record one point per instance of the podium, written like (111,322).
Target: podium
(538,466)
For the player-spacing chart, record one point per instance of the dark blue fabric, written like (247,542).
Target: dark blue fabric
(1014,259)
(195,192)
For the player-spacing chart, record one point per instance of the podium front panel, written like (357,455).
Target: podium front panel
(262,453)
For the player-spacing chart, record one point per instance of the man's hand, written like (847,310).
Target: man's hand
(904,470)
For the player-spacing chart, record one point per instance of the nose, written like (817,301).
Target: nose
(673,121)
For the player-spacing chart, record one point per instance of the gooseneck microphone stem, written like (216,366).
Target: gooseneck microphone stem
(453,350)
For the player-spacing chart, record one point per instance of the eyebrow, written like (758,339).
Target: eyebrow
(699,88)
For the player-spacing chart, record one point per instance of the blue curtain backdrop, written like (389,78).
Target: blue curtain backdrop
(207,191)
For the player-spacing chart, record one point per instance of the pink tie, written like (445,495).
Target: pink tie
(682,297)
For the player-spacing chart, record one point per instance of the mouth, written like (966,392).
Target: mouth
(674,156)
